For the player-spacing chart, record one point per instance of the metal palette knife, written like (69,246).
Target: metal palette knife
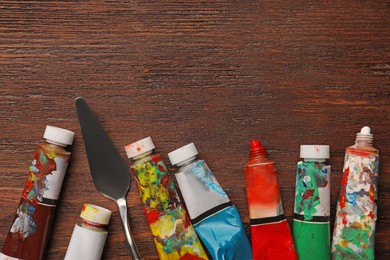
(110,174)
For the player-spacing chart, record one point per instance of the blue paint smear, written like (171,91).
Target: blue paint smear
(202,171)
(224,236)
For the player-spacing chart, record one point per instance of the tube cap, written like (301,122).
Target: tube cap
(140,147)
(58,136)
(314,151)
(183,154)
(95,214)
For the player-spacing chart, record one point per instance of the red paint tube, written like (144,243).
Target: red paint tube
(270,232)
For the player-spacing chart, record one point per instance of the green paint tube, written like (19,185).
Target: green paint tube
(311,227)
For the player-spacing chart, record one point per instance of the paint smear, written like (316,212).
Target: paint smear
(312,177)
(41,166)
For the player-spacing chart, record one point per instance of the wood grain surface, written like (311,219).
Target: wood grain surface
(218,73)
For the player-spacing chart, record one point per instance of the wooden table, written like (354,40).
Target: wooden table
(218,73)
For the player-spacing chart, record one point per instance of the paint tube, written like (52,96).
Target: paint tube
(354,230)
(31,227)
(215,218)
(311,227)
(270,232)
(89,237)
(174,236)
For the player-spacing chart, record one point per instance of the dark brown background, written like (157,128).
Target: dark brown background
(218,73)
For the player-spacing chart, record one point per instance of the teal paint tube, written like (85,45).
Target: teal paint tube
(215,218)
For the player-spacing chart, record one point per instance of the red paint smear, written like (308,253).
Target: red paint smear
(262,185)
(359,152)
(189,256)
(272,241)
(161,168)
(187,222)
(308,194)
(372,193)
(344,218)
(165,180)
(326,183)
(152,215)
(343,186)
(156,158)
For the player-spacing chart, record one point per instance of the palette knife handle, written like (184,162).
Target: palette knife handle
(126,228)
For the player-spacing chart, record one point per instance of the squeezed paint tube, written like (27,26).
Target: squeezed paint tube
(354,230)
(31,228)
(311,228)
(215,218)
(270,232)
(88,238)
(174,236)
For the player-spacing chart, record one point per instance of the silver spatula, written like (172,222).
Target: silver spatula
(110,175)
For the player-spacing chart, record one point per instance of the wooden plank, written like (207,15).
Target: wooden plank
(218,73)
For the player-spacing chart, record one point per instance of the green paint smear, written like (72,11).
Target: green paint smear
(358,236)
(343,253)
(155,193)
(42,157)
(182,237)
(307,197)
(355,235)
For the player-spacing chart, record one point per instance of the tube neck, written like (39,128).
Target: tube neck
(256,149)
(364,138)
(142,155)
(314,159)
(56,143)
(186,162)
(92,226)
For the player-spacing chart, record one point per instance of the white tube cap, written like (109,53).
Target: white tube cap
(315,152)
(95,214)
(183,154)
(140,147)
(58,136)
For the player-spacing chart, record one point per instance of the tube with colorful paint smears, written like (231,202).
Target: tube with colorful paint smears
(270,232)
(354,230)
(311,227)
(215,218)
(31,228)
(174,236)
